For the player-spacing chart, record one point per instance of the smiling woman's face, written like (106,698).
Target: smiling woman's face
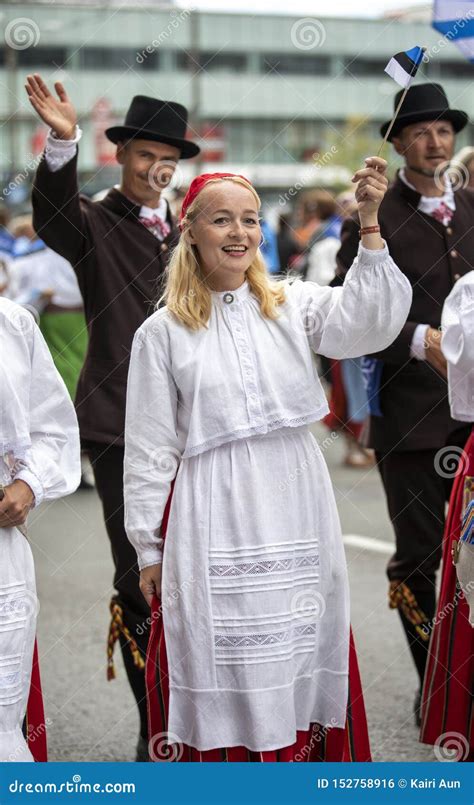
(226,233)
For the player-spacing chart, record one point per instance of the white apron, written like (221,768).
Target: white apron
(255,595)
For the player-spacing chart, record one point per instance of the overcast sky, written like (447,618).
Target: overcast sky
(318,8)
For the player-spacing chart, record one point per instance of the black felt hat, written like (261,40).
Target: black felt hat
(424,102)
(160,121)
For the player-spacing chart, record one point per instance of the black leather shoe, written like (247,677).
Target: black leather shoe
(417,708)
(142,751)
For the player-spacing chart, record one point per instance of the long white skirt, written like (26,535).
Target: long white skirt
(18,611)
(255,595)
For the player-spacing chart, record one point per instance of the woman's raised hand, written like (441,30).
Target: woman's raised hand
(58,113)
(371,188)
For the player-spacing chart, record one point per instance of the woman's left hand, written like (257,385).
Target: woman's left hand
(371,188)
(16,504)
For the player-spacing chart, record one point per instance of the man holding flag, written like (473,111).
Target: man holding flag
(427,225)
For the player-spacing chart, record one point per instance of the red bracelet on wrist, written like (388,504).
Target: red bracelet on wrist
(368,230)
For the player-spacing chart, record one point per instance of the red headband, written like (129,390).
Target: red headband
(197,185)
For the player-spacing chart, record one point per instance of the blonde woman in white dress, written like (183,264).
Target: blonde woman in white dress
(222,390)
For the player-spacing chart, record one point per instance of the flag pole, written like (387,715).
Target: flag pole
(395,115)
(393,119)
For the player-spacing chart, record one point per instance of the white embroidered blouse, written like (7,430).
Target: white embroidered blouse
(39,436)
(457,344)
(191,391)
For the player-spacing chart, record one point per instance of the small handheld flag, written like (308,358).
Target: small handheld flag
(403,66)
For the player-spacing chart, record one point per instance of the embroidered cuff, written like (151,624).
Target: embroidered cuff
(372,257)
(58,152)
(150,557)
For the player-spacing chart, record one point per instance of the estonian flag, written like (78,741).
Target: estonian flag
(403,66)
(456,22)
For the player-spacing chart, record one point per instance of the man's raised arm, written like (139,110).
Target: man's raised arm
(57,215)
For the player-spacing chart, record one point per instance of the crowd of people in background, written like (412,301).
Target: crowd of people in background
(87,322)
(303,241)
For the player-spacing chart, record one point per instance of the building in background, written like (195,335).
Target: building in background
(291,101)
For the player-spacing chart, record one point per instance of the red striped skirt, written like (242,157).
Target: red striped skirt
(447,702)
(315,744)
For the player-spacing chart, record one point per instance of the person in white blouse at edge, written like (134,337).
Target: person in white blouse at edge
(39,460)
(222,388)
(446,705)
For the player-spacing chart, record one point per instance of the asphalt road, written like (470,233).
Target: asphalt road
(91,719)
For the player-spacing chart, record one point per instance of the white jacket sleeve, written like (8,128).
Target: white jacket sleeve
(457,325)
(152,448)
(52,465)
(365,315)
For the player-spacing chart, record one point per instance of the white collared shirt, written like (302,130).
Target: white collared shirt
(428,204)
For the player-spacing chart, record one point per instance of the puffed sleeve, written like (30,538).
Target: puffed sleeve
(457,325)
(152,445)
(362,316)
(51,466)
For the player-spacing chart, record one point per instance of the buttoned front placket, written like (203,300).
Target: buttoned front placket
(456,264)
(234,311)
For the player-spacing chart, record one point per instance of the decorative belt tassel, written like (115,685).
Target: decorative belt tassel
(401,597)
(117,627)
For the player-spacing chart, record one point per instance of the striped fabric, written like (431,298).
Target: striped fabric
(317,744)
(455,20)
(467,528)
(403,66)
(447,701)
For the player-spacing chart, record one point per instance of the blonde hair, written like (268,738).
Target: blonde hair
(464,156)
(186,293)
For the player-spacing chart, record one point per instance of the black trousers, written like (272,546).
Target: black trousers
(107,463)
(417,486)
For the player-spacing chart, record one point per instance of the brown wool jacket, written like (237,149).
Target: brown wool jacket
(119,266)
(413,396)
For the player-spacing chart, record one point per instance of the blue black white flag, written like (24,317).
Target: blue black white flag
(403,66)
(455,20)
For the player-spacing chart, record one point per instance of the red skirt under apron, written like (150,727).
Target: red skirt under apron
(315,744)
(447,702)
